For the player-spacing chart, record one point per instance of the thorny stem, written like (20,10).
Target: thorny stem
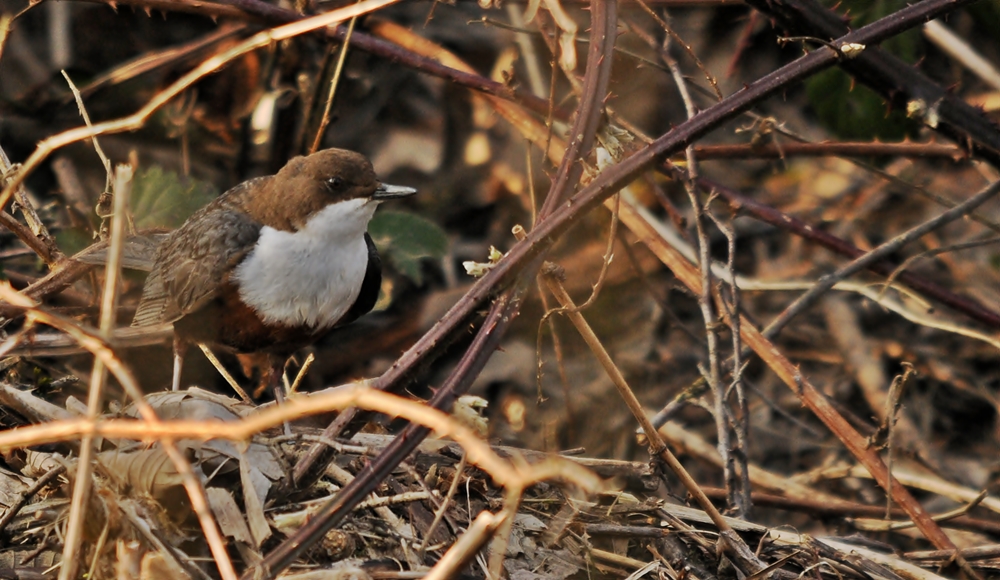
(826,148)
(588,115)
(601,28)
(830,280)
(767,214)
(503,310)
(333,512)
(368,43)
(665,55)
(616,177)
(898,82)
(705,304)
(938,198)
(741,419)
(792,377)
(657,447)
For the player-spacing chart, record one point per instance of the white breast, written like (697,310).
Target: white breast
(310,277)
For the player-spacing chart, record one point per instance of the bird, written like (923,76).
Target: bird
(272,264)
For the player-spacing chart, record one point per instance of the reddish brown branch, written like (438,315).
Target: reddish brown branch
(27,236)
(773,151)
(784,221)
(368,43)
(592,95)
(845,509)
(210,9)
(375,472)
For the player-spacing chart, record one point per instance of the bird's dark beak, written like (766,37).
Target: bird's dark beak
(385,191)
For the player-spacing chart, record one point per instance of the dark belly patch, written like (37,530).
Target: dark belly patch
(228,322)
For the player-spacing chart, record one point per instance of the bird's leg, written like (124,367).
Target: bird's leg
(180,349)
(276,371)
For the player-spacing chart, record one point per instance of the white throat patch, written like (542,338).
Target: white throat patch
(310,277)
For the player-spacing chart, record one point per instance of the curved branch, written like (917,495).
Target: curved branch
(592,95)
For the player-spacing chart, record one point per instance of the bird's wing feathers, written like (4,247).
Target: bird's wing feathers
(194,262)
(370,286)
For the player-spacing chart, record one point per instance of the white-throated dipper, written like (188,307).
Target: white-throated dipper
(274,263)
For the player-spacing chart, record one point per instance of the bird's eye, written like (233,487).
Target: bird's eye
(334,183)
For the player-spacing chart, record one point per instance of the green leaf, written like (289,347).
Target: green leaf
(72,240)
(164,199)
(855,112)
(405,239)
(905,45)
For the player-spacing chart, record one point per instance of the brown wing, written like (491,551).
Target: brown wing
(193,263)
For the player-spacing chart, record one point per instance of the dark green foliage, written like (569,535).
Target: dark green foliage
(852,111)
(405,238)
(164,199)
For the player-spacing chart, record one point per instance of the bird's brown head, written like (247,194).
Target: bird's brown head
(308,184)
